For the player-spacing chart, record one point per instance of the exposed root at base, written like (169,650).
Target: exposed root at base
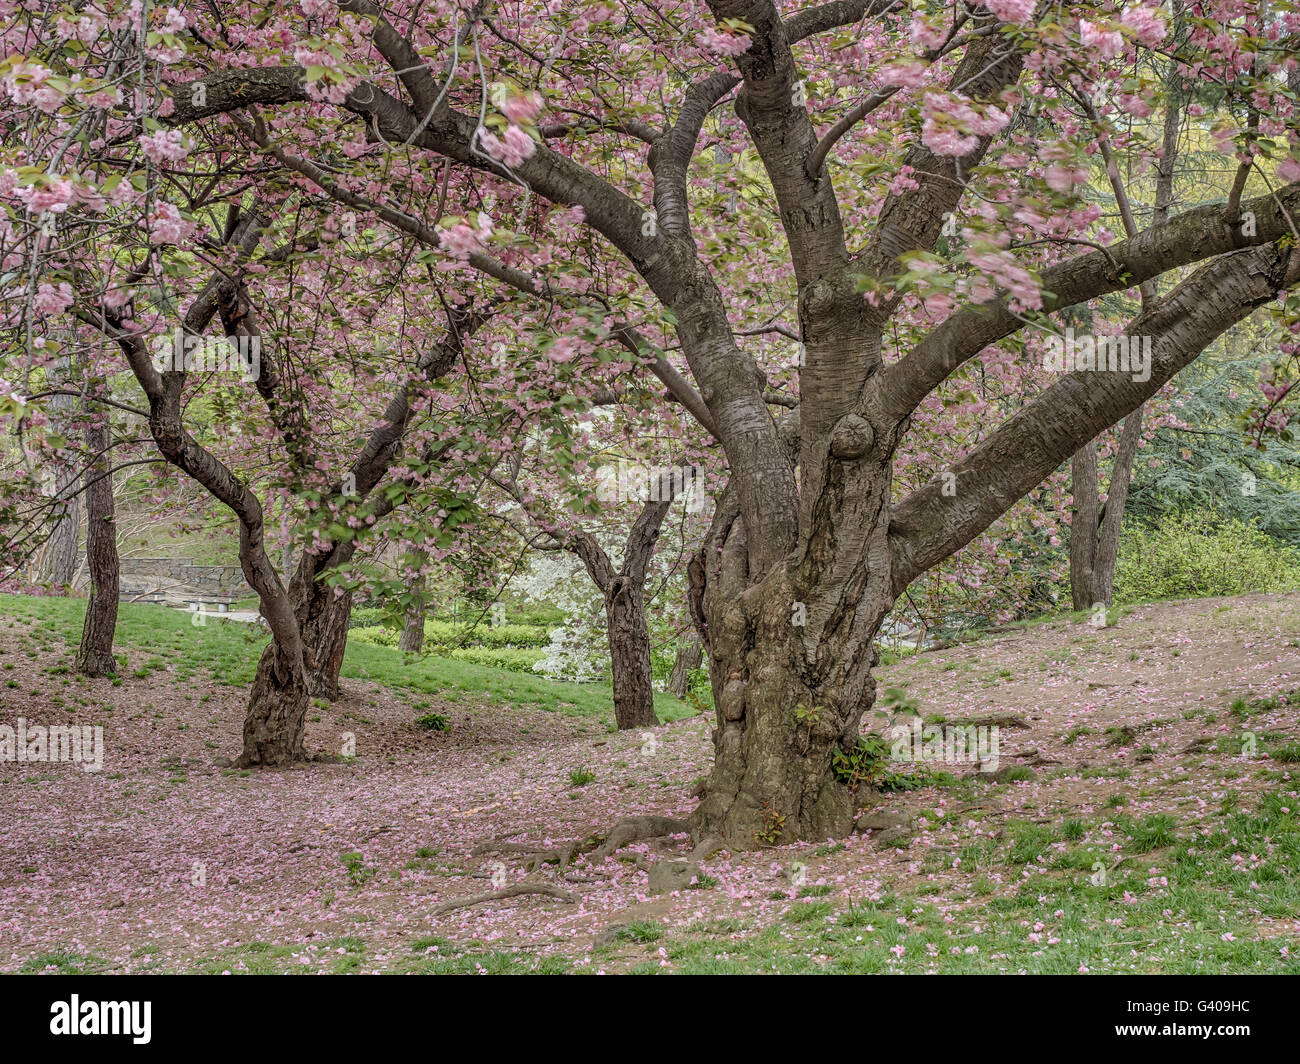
(627,831)
(639,829)
(300,757)
(505,892)
(624,833)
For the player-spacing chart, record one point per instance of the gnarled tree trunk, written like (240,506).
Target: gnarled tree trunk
(800,635)
(326,630)
(275,721)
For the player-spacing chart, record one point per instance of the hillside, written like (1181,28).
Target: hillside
(1144,817)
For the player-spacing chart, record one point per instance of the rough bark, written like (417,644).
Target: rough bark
(801,636)
(59,564)
(412,638)
(772,780)
(629,655)
(275,721)
(690,653)
(1083,525)
(95,655)
(327,633)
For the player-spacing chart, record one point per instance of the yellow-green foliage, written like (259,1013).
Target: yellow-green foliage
(1200,555)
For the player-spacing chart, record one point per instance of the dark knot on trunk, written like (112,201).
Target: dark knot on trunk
(851,438)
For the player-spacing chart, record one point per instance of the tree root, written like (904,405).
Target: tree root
(638,829)
(669,874)
(604,879)
(513,891)
(537,856)
(998,720)
(706,849)
(626,831)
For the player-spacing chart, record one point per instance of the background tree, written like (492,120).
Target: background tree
(95,654)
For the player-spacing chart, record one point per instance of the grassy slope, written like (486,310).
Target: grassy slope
(228,652)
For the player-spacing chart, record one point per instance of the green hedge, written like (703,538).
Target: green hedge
(439,639)
(1200,555)
(374,635)
(545,617)
(444,633)
(370,617)
(516,659)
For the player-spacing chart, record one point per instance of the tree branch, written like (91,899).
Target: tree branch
(1189,237)
(928,526)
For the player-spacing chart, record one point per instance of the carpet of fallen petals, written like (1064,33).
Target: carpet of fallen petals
(165,860)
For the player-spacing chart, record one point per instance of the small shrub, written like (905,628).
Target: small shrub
(869,763)
(358,871)
(449,636)
(773,826)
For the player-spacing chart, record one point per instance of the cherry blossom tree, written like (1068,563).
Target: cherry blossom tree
(759,191)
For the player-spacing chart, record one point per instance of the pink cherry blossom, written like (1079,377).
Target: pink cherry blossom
(1017,11)
(1105,43)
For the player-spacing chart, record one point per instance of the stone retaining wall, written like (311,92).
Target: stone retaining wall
(218,579)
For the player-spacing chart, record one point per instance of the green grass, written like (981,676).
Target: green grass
(62,962)
(429,955)
(1199,911)
(641,931)
(227,651)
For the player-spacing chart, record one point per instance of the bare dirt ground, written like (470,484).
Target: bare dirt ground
(165,861)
